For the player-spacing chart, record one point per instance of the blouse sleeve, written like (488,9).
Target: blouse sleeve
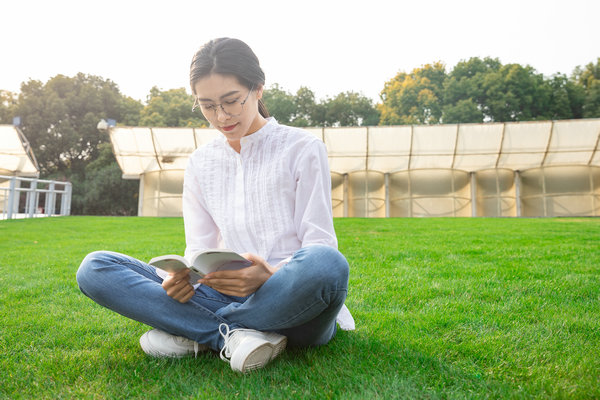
(313,215)
(201,232)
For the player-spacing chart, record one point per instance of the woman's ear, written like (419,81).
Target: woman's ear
(259,91)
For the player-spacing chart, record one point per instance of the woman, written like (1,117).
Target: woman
(262,189)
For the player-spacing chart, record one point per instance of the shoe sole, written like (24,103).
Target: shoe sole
(260,352)
(278,342)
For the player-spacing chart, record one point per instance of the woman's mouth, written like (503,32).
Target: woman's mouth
(229,128)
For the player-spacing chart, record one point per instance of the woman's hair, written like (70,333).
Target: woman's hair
(225,56)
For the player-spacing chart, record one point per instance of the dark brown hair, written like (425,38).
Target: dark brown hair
(226,56)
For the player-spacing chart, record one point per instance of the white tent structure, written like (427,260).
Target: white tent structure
(542,168)
(22,195)
(16,157)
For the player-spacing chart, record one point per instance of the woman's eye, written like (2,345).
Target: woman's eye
(208,107)
(230,102)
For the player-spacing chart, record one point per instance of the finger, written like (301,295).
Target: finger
(247,256)
(172,282)
(232,291)
(182,274)
(256,259)
(178,287)
(232,274)
(186,297)
(183,294)
(257,262)
(178,276)
(223,283)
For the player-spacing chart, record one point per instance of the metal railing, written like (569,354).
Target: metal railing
(40,198)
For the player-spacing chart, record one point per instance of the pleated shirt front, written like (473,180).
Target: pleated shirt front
(271,199)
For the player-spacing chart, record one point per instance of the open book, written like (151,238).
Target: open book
(202,262)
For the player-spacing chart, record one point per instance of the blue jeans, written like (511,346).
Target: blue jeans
(301,300)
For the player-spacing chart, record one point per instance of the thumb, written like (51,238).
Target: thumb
(253,257)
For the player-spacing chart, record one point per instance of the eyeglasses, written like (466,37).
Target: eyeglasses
(233,108)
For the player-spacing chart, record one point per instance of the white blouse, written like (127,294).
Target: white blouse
(271,199)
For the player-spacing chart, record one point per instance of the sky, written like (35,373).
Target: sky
(329,46)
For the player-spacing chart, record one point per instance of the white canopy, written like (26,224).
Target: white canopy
(16,157)
(467,147)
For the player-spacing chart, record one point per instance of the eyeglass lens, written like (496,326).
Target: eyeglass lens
(232,108)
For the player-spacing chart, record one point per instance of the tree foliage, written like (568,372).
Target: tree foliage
(281,104)
(414,98)
(105,192)
(567,98)
(170,108)
(482,90)
(589,78)
(350,109)
(100,189)
(59,118)
(7,103)
(345,109)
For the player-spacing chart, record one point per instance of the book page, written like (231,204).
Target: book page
(218,260)
(174,263)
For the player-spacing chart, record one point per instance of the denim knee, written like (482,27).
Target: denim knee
(327,262)
(87,269)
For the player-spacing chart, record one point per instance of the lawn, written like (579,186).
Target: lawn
(445,308)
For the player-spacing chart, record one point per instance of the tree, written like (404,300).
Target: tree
(280,103)
(464,91)
(481,90)
(105,192)
(517,93)
(100,189)
(171,108)
(463,111)
(345,109)
(59,118)
(414,98)
(307,112)
(589,78)
(350,109)
(130,111)
(566,99)
(7,103)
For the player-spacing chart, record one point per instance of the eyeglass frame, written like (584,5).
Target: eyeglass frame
(197,104)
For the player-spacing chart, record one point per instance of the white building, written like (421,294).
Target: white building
(530,169)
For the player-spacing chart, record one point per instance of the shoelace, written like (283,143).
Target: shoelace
(230,340)
(225,352)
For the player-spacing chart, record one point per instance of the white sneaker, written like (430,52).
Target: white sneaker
(247,349)
(162,344)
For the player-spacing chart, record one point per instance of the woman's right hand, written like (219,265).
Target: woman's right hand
(177,285)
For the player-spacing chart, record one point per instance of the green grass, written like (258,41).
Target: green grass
(445,308)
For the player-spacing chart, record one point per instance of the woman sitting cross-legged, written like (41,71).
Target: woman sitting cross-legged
(261,189)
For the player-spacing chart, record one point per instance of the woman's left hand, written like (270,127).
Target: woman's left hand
(242,282)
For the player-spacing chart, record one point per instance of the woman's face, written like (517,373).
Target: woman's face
(217,94)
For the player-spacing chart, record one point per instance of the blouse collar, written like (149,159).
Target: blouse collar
(256,137)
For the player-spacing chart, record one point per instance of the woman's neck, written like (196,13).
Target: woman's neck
(256,125)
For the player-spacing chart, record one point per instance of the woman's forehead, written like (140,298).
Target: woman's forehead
(217,86)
